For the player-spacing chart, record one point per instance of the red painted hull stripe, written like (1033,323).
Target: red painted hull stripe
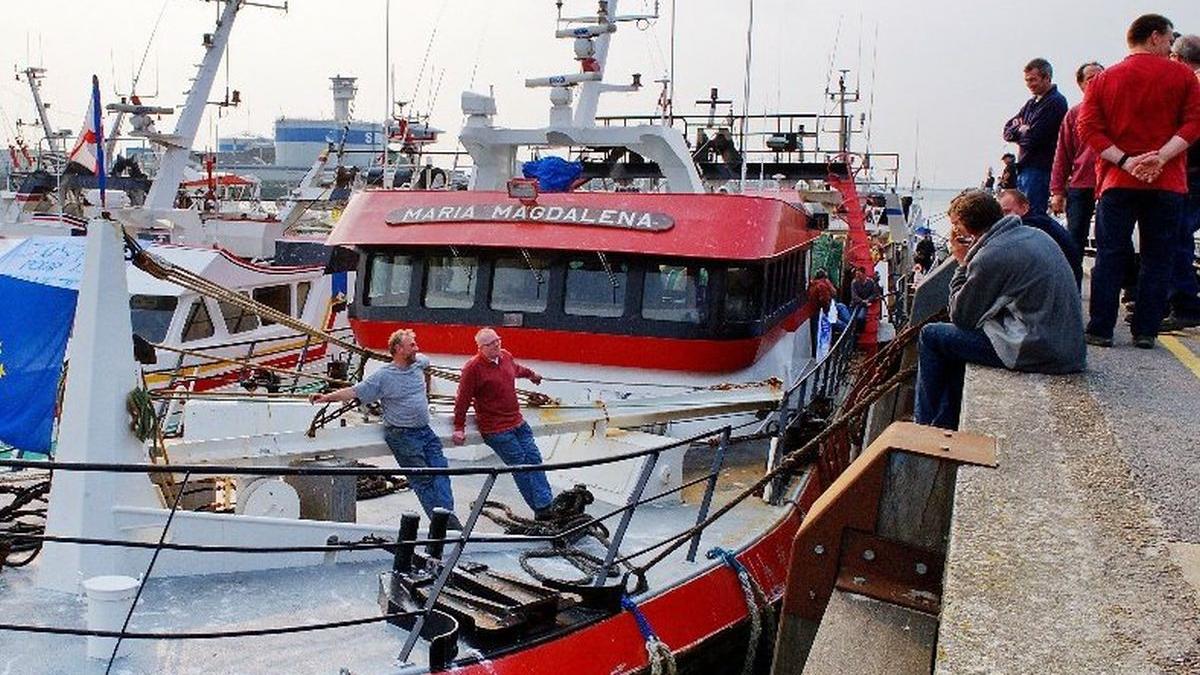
(630,351)
(684,617)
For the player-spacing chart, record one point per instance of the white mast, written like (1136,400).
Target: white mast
(589,92)
(179,146)
(33,76)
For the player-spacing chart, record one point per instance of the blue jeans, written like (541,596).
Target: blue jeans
(943,354)
(420,447)
(516,446)
(1081,206)
(1035,183)
(1184,286)
(1157,213)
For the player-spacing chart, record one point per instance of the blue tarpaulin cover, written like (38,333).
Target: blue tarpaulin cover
(553,174)
(39,285)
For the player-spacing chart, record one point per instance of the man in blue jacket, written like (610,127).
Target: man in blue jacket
(1013,203)
(1013,304)
(1035,131)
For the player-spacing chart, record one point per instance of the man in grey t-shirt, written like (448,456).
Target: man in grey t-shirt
(402,388)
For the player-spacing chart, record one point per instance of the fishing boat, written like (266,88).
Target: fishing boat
(644,309)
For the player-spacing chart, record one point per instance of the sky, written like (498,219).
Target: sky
(938,77)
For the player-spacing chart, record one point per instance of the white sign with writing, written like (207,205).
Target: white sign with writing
(628,219)
(52,261)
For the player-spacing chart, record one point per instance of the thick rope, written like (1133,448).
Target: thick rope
(142,418)
(566,516)
(753,594)
(658,654)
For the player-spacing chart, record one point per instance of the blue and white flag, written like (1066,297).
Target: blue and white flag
(89,149)
(39,286)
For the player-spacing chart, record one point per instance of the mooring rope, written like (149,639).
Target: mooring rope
(754,596)
(658,654)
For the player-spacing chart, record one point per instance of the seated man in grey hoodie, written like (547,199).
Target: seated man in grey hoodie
(1013,304)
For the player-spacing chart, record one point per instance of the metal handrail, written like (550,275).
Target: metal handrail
(636,499)
(830,366)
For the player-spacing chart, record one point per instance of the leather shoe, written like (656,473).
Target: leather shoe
(1097,341)
(1177,322)
(1143,341)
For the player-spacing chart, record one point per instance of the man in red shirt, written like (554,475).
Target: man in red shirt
(489,382)
(1140,116)
(1073,177)
(1185,289)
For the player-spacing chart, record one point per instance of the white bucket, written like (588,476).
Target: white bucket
(108,598)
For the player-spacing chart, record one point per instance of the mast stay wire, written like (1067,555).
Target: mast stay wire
(837,37)
(428,47)
(871,100)
(483,36)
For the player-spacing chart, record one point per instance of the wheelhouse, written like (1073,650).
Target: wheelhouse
(579,291)
(703,283)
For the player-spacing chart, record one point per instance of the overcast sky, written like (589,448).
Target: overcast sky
(951,68)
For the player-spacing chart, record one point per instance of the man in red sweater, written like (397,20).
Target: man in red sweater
(1073,177)
(489,382)
(1140,116)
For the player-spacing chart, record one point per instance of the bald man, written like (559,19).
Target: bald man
(489,384)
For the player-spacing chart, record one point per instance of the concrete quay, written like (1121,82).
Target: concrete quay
(1080,553)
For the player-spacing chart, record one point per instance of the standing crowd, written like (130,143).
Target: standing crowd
(1129,155)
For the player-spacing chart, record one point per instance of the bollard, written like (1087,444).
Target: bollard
(402,560)
(437,530)
(108,603)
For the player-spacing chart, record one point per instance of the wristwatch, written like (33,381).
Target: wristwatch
(1121,162)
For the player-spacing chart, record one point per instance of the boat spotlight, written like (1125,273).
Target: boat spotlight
(523,189)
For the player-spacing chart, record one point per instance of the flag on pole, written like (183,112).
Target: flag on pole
(89,149)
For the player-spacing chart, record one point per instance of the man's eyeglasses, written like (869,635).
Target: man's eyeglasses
(491,343)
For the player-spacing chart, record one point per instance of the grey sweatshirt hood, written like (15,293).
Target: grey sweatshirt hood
(1016,286)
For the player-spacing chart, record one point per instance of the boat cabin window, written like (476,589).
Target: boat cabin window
(390,280)
(675,293)
(237,319)
(302,290)
(199,323)
(278,298)
(595,287)
(743,294)
(450,282)
(785,281)
(520,284)
(151,315)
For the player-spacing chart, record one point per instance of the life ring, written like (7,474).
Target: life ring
(430,178)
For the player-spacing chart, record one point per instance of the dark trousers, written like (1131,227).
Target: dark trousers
(517,447)
(942,356)
(1081,206)
(1157,214)
(1035,183)
(1185,289)
(419,447)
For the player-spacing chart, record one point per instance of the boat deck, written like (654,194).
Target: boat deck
(336,592)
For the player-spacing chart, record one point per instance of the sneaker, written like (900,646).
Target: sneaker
(1097,341)
(453,523)
(1143,341)
(1177,322)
